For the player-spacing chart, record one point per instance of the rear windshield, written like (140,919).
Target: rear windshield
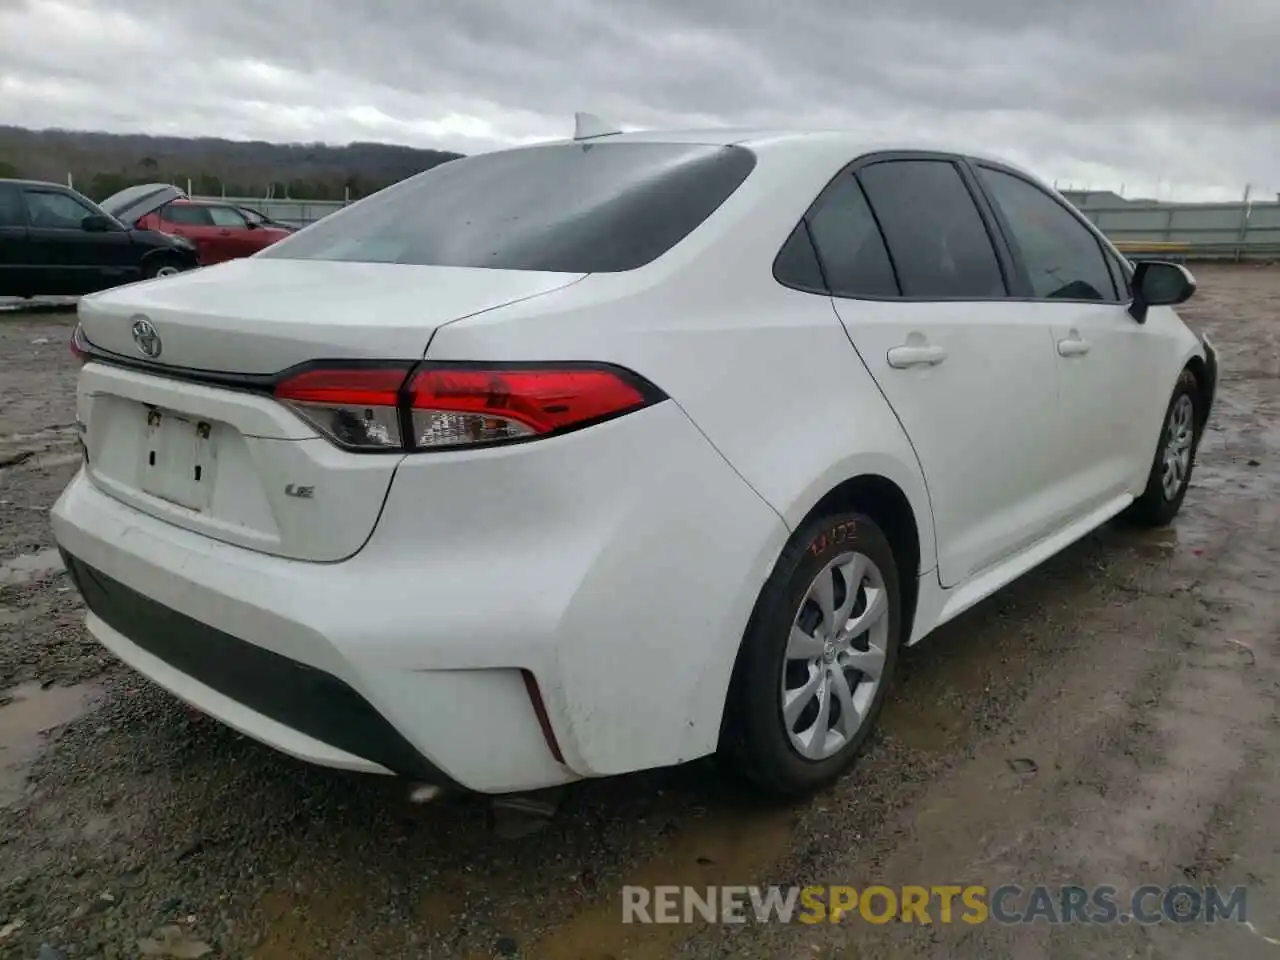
(565,208)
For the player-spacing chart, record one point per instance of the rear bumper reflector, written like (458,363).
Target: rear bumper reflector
(540,709)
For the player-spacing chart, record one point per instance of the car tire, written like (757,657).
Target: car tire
(764,734)
(161,267)
(1174,460)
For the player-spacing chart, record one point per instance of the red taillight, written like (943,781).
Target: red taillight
(373,386)
(460,405)
(356,407)
(452,404)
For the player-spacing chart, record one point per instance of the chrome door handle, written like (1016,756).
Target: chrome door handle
(923,355)
(1073,347)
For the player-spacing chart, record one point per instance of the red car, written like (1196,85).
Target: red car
(220,230)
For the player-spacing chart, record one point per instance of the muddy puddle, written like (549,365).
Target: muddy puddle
(30,566)
(567,908)
(27,713)
(712,851)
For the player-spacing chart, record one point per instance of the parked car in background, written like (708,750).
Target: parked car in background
(220,230)
(57,242)
(631,451)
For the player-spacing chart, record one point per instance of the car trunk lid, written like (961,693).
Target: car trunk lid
(192,435)
(260,316)
(133,203)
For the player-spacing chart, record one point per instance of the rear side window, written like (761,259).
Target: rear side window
(1063,258)
(568,208)
(12,213)
(797,262)
(187,215)
(849,243)
(55,210)
(936,237)
(226,217)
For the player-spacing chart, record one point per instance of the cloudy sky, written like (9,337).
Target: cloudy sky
(1178,98)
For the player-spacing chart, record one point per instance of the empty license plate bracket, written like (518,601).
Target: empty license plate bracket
(178,458)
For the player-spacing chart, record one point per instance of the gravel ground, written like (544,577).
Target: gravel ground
(1110,718)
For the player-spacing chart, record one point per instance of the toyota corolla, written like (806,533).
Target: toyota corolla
(607,454)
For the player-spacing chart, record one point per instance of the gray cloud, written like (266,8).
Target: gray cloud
(1138,92)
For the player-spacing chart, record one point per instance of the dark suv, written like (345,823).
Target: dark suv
(57,242)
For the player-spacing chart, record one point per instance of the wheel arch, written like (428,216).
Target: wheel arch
(164,254)
(888,505)
(1199,369)
(1186,353)
(881,478)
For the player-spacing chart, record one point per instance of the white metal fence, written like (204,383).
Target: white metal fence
(1232,231)
(296,213)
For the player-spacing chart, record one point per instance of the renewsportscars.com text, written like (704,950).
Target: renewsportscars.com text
(945,904)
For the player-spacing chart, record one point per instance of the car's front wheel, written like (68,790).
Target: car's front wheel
(817,657)
(161,267)
(1175,458)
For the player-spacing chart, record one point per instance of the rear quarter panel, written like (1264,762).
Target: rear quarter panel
(766,372)
(767,375)
(770,378)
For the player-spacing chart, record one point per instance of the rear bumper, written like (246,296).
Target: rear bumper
(250,687)
(616,566)
(289,653)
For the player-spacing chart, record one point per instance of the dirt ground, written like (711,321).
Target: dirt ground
(1109,719)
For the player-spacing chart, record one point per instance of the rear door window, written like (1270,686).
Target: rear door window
(227,217)
(850,247)
(936,237)
(1062,257)
(567,208)
(12,213)
(187,215)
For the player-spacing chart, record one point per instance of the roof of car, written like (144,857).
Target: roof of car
(34,183)
(814,142)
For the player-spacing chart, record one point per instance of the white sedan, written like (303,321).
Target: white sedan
(607,454)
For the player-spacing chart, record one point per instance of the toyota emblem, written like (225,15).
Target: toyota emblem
(145,337)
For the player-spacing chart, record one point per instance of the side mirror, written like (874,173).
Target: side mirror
(252,224)
(96,223)
(1159,284)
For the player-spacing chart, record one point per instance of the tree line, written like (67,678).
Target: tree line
(102,163)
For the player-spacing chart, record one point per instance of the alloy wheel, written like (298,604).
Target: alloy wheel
(1176,462)
(835,656)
